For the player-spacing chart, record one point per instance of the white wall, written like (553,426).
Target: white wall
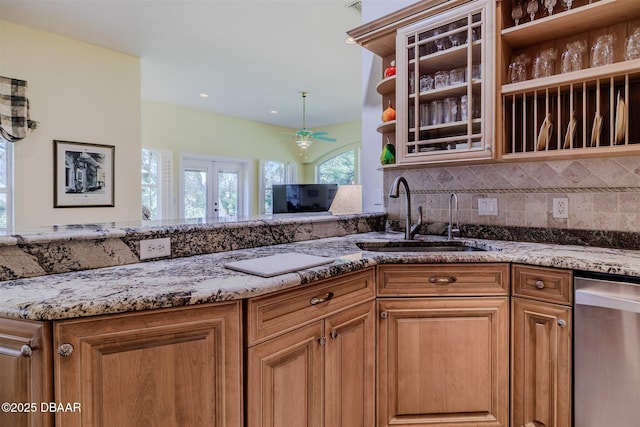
(77,92)
(372,190)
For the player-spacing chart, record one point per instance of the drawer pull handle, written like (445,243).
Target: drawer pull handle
(562,323)
(324,298)
(26,351)
(539,284)
(442,280)
(65,350)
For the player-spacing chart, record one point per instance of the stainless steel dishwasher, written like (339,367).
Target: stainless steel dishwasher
(606,352)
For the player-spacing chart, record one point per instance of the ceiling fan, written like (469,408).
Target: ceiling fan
(304,137)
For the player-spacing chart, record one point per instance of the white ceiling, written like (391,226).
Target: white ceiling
(250,56)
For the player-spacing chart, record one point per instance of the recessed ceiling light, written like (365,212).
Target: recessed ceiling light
(204,95)
(273,112)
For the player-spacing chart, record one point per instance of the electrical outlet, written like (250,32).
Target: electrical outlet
(155,248)
(488,206)
(561,208)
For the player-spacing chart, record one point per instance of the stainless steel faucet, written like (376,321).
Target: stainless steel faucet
(453,204)
(409,230)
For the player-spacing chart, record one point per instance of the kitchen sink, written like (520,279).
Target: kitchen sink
(417,246)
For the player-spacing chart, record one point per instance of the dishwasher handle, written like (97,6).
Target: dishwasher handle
(598,299)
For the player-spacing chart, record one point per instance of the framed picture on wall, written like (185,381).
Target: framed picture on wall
(82,175)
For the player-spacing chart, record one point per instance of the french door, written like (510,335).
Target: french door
(211,189)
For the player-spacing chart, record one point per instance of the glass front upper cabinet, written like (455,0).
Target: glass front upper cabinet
(445,86)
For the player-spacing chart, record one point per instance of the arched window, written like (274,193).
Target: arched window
(340,169)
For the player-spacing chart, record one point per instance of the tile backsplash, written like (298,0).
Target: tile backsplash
(603,194)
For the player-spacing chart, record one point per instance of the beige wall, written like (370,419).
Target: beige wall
(84,93)
(77,92)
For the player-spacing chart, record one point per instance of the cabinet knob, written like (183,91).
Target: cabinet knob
(334,335)
(26,350)
(442,280)
(539,284)
(323,298)
(322,340)
(383,315)
(562,323)
(65,350)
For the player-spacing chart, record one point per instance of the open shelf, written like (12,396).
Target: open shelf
(386,86)
(574,21)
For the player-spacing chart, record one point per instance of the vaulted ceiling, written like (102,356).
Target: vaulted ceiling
(249,56)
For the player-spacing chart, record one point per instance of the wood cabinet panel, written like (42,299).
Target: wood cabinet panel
(276,313)
(443,362)
(443,279)
(547,284)
(541,364)
(285,383)
(172,367)
(26,372)
(349,371)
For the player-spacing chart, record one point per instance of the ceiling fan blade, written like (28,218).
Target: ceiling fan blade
(320,133)
(325,138)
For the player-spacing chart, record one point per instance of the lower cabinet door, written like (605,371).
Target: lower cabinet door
(285,379)
(25,373)
(172,368)
(541,364)
(443,362)
(350,367)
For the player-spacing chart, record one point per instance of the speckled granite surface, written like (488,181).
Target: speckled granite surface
(61,249)
(202,278)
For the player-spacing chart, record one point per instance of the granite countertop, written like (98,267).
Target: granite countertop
(202,278)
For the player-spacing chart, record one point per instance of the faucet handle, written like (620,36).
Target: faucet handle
(416,227)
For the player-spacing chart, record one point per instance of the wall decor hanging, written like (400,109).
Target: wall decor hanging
(83,175)
(14,110)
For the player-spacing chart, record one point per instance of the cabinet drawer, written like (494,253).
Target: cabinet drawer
(274,314)
(443,279)
(543,283)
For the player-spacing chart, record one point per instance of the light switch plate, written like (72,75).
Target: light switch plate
(488,206)
(155,248)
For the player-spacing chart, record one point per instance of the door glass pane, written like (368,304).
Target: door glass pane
(274,174)
(195,193)
(227,195)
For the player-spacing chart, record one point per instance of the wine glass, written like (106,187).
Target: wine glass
(550,4)
(632,49)
(602,50)
(517,12)
(567,4)
(532,8)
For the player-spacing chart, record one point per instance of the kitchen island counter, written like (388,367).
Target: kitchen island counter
(203,278)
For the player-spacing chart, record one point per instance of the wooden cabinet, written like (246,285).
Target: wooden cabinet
(438,119)
(541,325)
(443,360)
(318,369)
(26,379)
(173,367)
(442,92)
(579,93)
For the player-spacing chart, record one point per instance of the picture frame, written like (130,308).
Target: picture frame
(83,175)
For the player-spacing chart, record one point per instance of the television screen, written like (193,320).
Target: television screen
(294,198)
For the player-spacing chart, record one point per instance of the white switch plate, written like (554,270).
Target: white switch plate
(488,206)
(155,248)
(377,197)
(561,208)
